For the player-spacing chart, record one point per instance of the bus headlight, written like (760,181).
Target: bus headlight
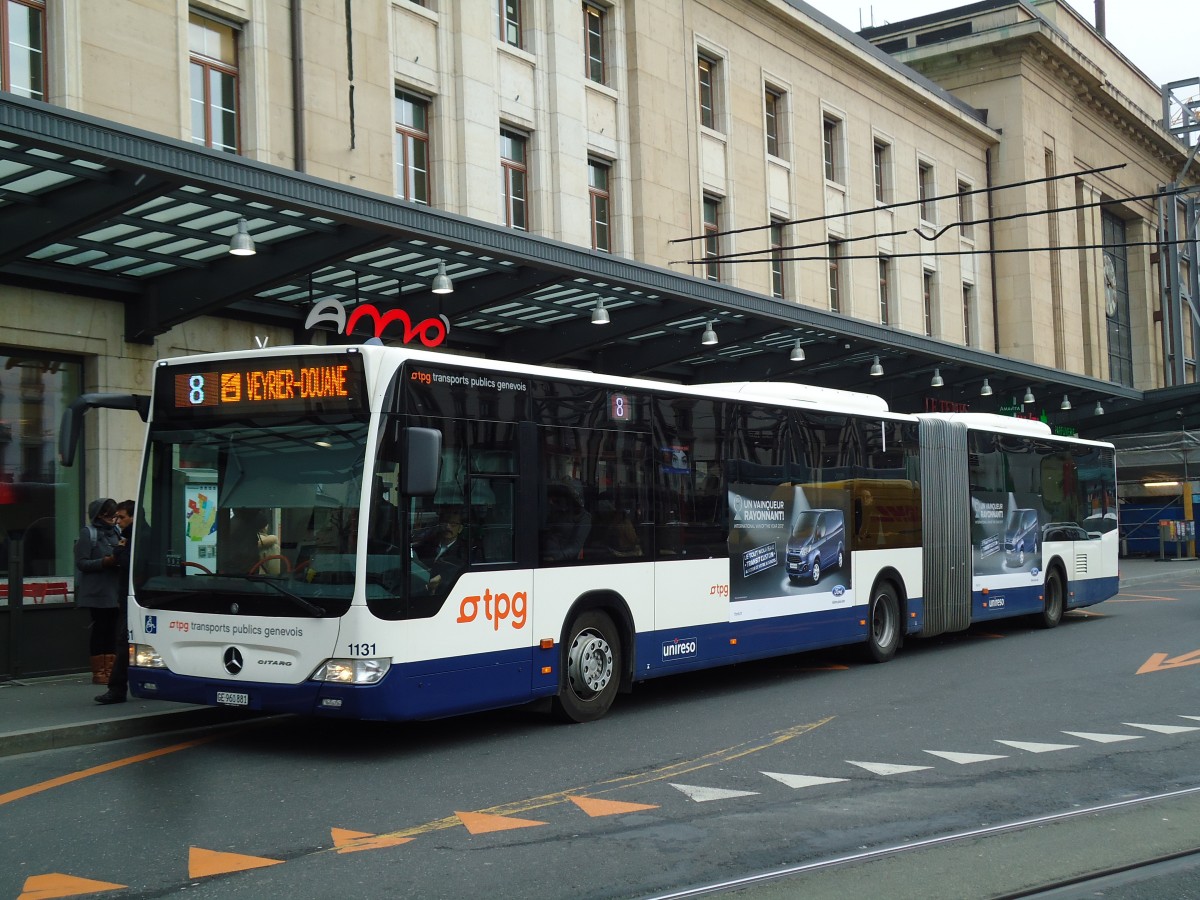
(352,671)
(145,656)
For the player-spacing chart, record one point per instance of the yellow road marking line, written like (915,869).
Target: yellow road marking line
(24,792)
(626,781)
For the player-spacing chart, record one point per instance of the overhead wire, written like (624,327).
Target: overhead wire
(928,253)
(773,253)
(900,205)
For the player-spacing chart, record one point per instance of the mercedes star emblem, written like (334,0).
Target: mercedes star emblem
(233,660)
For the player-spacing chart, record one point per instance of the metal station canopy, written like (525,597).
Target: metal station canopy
(1159,456)
(92,207)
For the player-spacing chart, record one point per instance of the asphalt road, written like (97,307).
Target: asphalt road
(975,765)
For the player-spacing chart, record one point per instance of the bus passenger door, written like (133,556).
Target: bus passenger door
(591,531)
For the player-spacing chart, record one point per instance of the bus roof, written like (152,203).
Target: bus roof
(799,394)
(1008,425)
(803,393)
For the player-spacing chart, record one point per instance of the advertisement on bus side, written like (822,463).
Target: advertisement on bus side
(781,544)
(1006,534)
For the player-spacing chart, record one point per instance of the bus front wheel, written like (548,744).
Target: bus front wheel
(591,670)
(1054,594)
(883,623)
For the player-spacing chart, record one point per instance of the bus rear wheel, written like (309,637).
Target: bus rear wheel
(591,671)
(883,622)
(1054,593)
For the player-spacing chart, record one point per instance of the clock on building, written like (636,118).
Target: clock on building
(1110,287)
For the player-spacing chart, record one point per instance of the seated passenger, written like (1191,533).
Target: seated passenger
(614,532)
(567,525)
(253,546)
(443,550)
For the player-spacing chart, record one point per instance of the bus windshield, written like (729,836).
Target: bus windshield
(258,516)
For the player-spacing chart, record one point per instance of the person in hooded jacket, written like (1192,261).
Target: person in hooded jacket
(98,583)
(118,675)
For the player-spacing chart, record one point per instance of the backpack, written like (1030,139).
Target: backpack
(95,535)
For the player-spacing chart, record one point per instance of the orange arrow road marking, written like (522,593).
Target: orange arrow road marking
(56,884)
(595,807)
(202,863)
(353,841)
(1160,661)
(481,823)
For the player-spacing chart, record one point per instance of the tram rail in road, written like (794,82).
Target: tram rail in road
(1073,853)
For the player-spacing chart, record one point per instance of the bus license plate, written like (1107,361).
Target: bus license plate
(229,698)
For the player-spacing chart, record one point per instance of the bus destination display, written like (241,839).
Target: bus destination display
(277,384)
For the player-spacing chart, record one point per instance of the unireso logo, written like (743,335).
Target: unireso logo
(679,648)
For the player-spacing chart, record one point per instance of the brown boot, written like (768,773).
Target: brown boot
(110,660)
(99,674)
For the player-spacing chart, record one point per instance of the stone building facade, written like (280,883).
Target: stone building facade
(1066,99)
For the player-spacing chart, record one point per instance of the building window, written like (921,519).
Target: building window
(593,40)
(514,180)
(1120,344)
(968,308)
(777,259)
(598,173)
(1056,299)
(835,275)
(508,22)
(23,48)
(706,79)
(926,192)
(927,300)
(882,159)
(773,120)
(40,499)
(412,148)
(966,212)
(831,131)
(885,293)
(712,240)
(214,83)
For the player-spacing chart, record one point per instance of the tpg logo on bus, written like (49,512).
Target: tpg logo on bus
(496,606)
(679,648)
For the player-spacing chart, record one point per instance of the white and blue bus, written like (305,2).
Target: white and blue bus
(381,533)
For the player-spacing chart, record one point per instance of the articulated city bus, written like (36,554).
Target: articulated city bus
(382,533)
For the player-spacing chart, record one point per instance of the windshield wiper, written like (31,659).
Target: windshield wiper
(311,608)
(160,597)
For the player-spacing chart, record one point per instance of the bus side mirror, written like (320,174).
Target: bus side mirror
(422,461)
(72,418)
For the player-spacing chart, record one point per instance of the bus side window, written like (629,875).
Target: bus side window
(493,506)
